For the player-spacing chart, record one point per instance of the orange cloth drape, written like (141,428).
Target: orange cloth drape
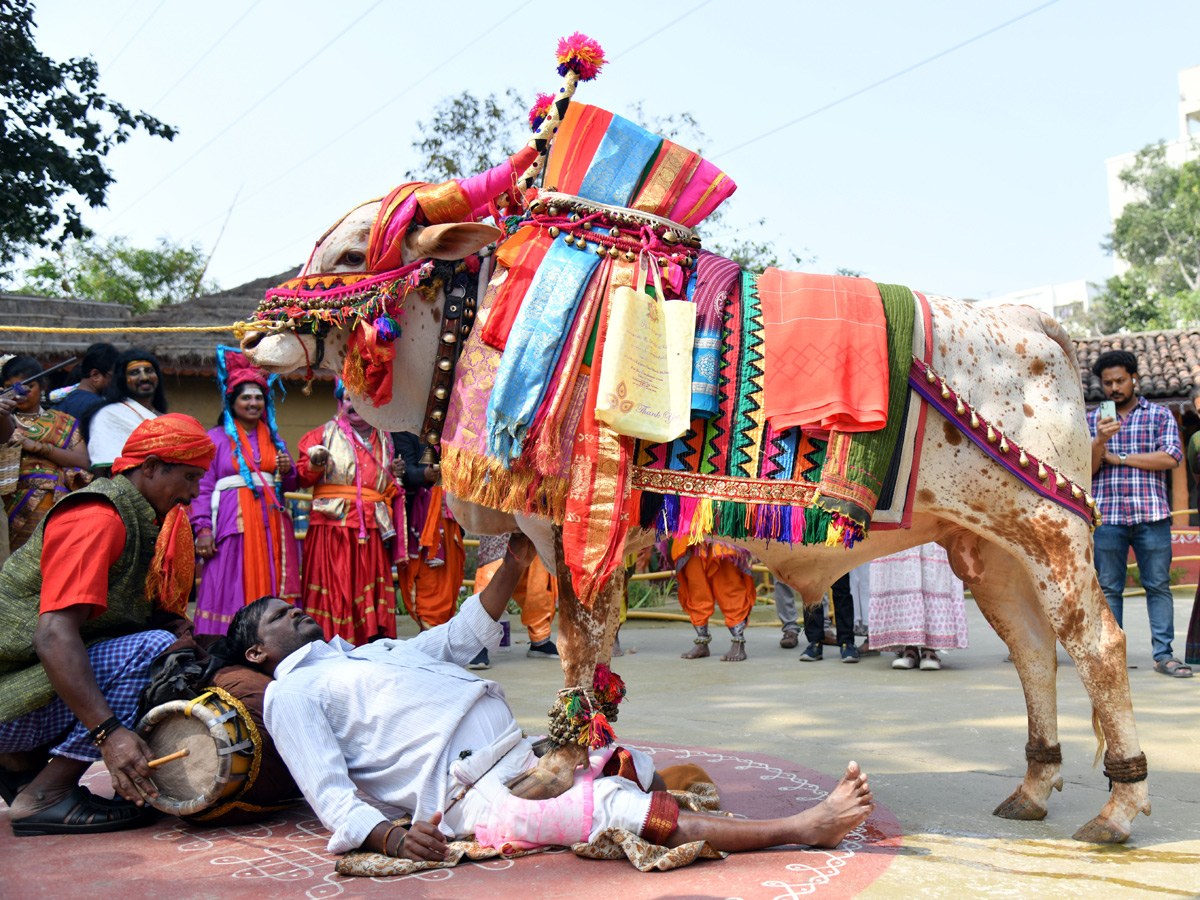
(826,353)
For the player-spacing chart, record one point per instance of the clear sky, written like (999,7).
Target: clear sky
(978,173)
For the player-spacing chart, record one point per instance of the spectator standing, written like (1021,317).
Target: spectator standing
(95,375)
(53,456)
(242,525)
(916,607)
(432,574)
(346,577)
(135,395)
(712,575)
(1131,455)
(536,594)
(814,621)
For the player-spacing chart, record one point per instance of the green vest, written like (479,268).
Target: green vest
(24,684)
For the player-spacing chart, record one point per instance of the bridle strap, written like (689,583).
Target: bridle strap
(458,317)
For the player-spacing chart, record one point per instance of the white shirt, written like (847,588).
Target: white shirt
(111,427)
(382,717)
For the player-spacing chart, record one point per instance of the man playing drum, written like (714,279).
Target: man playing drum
(406,724)
(84,608)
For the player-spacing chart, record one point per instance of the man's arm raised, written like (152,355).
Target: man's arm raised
(517,559)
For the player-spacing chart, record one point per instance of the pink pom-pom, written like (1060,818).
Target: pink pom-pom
(541,108)
(581,55)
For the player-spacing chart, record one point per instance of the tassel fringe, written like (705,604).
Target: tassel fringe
(697,520)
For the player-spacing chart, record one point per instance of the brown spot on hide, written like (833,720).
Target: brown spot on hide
(953,435)
(1020,348)
(1037,367)
(1087,554)
(974,520)
(925,495)
(1028,410)
(965,559)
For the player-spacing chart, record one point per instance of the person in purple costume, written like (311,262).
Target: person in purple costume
(242,526)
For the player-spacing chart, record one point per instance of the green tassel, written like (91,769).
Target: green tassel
(816,525)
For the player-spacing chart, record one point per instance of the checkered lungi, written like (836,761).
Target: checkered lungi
(122,670)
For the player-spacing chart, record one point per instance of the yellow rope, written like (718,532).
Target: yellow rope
(122,330)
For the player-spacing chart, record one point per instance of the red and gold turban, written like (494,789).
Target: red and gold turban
(181,440)
(173,438)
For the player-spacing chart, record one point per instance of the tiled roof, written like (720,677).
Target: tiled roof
(1168,363)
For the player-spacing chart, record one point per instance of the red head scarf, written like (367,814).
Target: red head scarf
(181,440)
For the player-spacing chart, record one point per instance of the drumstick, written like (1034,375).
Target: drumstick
(170,757)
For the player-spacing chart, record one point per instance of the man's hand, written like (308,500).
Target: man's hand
(125,754)
(425,841)
(1106,428)
(522,548)
(283,463)
(432,473)
(318,455)
(206,547)
(398,467)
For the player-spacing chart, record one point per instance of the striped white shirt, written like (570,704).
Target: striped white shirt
(379,718)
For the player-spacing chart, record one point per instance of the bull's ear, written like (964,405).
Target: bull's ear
(454,241)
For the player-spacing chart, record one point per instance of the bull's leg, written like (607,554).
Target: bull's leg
(1009,601)
(1058,560)
(585,638)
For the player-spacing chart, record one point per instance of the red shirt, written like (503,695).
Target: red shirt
(79,546)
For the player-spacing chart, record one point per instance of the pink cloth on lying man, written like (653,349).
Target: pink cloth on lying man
(562,821)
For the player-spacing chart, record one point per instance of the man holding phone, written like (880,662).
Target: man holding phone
(1134,444)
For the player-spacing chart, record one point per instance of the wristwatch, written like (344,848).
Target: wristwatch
(1121,457)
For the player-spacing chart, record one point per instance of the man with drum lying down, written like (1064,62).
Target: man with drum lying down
(406,724)
(84,608)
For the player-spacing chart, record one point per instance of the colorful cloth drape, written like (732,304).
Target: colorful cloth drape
(715,277)
(826,351)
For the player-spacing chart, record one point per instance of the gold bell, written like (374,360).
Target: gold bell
(991,435)
(974,419)
(1042,473)
(449,337)
(670,237)
(1060,481)
(445,365)
(929,376)
(630,256)
(960,408)
(1023,460)
(1004,445)
(573,217)
(440,393)
(466,330)
(554,231)
(552,212)
(1076,491)
(600,251)
(1089,500)
(614,252)
(433,437)
(437,415)
(569,239)
(614,231)
(945,391)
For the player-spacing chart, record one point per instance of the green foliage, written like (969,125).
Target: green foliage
(114,272)
(468,135)
(1159,236)
(56,127)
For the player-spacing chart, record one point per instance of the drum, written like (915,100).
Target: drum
(223,753)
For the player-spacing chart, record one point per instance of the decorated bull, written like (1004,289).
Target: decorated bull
(983,446)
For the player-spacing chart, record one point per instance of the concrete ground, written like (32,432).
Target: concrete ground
(942,750)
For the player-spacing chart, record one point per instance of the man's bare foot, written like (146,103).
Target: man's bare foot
(847,806)
(699,651)
(737,652)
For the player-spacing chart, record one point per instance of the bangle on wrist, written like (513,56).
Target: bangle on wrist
(104,730)
(400,844)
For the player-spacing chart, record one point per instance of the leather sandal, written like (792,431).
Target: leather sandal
(79,813)
(1173,668)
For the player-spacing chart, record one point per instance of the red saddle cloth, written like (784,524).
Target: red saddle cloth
(826,352)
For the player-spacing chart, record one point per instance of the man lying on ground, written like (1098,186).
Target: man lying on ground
(83,610)
(406,724)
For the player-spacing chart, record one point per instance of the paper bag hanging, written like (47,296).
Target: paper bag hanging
(646,372)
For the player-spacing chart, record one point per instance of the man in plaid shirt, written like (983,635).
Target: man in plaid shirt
(1131,454)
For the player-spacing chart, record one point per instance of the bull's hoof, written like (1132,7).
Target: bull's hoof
(1102,830)
(1020,807)
(553,775)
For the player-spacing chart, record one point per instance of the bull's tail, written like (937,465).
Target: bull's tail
(1099,737)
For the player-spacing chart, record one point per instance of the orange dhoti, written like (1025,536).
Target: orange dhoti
(709,580)
(536,593)
(431,591)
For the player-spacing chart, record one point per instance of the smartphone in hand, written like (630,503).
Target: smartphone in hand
(1108,409)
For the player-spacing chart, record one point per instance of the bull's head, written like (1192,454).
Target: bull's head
(344,248)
